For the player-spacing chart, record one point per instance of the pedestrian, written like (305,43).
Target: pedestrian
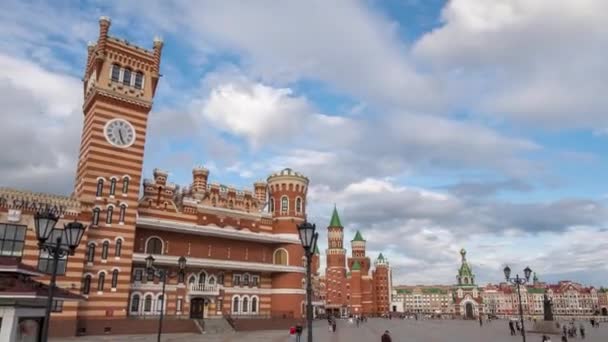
(386,337)
(333,325)
(564,338)
(582,329)
(512,328)
(358,321)
(517,325)
(480,321)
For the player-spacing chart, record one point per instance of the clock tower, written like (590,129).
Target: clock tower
(120,80)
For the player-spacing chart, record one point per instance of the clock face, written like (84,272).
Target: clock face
(119,133)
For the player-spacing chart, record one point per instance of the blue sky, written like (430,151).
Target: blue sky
(433,126)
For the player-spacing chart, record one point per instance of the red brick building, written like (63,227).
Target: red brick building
(354,292)
(242,248)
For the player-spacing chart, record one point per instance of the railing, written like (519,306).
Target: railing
(204,288)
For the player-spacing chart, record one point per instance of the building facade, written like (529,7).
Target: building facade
(350,289)
(421,299)
(244,257)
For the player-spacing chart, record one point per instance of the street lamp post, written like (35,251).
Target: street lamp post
(162,274)
(518,282)
(66,241)
(308,238)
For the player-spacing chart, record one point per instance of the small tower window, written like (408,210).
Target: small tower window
(114,278)
(123,210)
(126,77)
(86,285)
(101,281)
(112,186)
(110,211)
(96,216)
(139,80)
(99,191)
(104,250)
(298,205)
(284,204)
(115,72)
(91,253)
(271,206)
(118,248)
(125,185)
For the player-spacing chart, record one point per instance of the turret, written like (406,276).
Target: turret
(358,246)
(259,189)
(200,176)
(104,28)
(465,274)
(381,261)
(287,192)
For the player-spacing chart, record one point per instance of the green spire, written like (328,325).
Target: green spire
(335,219)
(380,257)
(316,251)
(535,278)
(356,266)
(358,237)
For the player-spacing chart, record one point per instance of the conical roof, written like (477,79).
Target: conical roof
(381,257)
(316,250)
(356,266)
(358,237)
(335,219)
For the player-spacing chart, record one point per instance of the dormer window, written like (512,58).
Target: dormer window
(115,72)
(139,80)
(126,77)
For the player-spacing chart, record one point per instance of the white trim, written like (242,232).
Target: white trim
(119,237)
(17,269)
(209,230)
(105,127)
(162,243)
(169,260)
(287,209)
(258,291)
(151,286)
(275,252)
(126,176)
(98,178)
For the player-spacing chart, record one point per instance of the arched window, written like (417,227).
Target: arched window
(135,303)
(109,214)
(86,284)
(298,205)
(235,305)
(125,185)
(212,280)
(96,216)
(91,252)
(280,257)
(118,248)
(101,281)
(159,303)
(99,191)
(192,279)
(220,278)
(123,210)
(115,72)
(139,80)
(112,186)
(154,246)
(284,204)
(126,77)
(231,204)
(254,305)
(271,205)
(245,305)
(148,303)
(202,277)
(246,279)
(104,250)
(114,278)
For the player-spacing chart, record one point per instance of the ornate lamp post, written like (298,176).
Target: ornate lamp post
(163,274)
(518,282)
(66,241)
(308,238)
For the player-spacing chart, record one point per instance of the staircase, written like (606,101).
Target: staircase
(214,326)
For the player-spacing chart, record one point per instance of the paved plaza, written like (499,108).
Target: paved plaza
(401,331)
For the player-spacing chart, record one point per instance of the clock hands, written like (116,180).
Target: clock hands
(122,140)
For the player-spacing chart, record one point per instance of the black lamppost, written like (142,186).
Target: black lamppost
(518,282)
(66,241)
(308,238)
(163,274)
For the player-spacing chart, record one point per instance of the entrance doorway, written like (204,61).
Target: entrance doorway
(469,311)
(604,311)
(197,308)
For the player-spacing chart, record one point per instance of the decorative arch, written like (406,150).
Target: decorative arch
(299,208)
(255,305)
(202,277)
(148,302)
(236,304)
(211,280)
(280,257)
(135,303)
(154,245)
(161,303)
(245,304)
(284,204)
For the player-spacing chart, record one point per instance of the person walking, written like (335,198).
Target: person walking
(512,328)
(333,325)
(386,337)
(564,338)
(480,321)
(582,329)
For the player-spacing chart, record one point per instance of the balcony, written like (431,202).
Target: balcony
(203,289)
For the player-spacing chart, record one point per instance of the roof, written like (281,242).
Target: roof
(316,250)
(356,266)
(380,257)
(14,265)
(358,237)
(335,219)
(536,290)
(18,287)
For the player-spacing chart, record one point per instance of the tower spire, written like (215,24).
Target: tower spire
(335,219)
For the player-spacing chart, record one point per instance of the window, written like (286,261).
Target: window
(138,275)
(254,305)
(101,281)
(45,261)
(115,72)
(212,280)
(148,303)
(112,186)
(12,238)
(91,252)
(150,276)
(180,277)
(126,77)
(125,185)
(135,303)
(298,205)
(235,304)
(110,211)
(178,305)
(57,306)
(114,278)
(284,204)
(159,303)
(99,191)
(154,246)
(220,278)
(271,205)
(245,303)
(121,216)
(96,216)
(280,257)
(231,204)
(201,278)
(246,279)
(104,250)
(86,285)
(255,280)
(118,248)
(139,80)
(237,280)
(191,280)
